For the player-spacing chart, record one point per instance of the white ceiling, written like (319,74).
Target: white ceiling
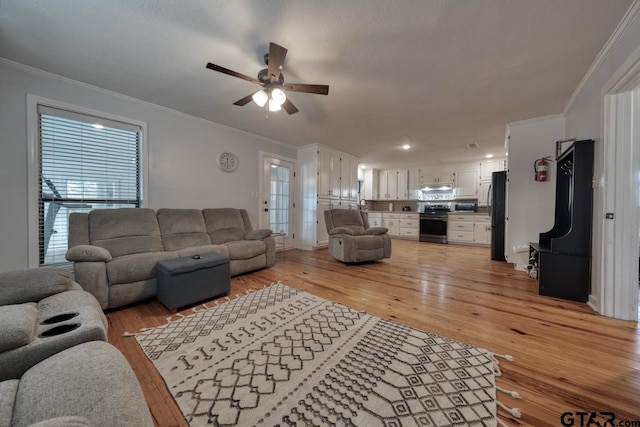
(438,74)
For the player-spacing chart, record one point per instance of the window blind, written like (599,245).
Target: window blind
(86,163)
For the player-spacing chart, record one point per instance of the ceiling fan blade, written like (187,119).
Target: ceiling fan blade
(244,101)
(299,87)
(232,73)
(276,59)
(289,107)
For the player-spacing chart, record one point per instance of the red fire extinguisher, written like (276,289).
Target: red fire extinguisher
(541,168)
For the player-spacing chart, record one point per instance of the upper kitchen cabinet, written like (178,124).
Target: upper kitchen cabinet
(488,167)
(393,185)
(348,177)
(370,186)
(415,186)
(432,176)
(466,184)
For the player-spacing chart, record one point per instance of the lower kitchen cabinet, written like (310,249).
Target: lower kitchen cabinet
(392,222)
(375,219)
(471,229)
(410,226)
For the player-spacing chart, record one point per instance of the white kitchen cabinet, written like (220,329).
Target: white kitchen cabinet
(487,167)
(466,184)
(482,230)
(409,226)
(392,222)
(328,173)
(319,189)
(469,229)
(371,184)
(348,177)
(483,192)
(414,187)
(322,236)
(434,176)
(393,185)
(375,219)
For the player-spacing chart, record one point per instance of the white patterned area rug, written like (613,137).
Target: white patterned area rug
(283,357)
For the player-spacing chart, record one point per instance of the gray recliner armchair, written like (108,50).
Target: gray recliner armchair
(351,239)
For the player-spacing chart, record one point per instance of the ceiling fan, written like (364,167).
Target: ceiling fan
(272,82)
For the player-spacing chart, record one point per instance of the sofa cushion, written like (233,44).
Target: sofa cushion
(182,228)
(8,391)
(246,249)
(18,325)
(204,249)
(135,267)
(34,284)
(125,231)
(224,225)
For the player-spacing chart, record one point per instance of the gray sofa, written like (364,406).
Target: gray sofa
(90,384)
(115,251)
(42,312)
(351,239)
(55,367)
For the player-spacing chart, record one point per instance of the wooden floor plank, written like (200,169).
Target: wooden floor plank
(567,358)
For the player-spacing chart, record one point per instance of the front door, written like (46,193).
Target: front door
(277,203)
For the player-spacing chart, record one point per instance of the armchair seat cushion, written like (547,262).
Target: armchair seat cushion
(18,325)
(135,267)
(376,231)
(245,249)
(365,242)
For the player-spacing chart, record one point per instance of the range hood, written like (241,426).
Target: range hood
(438,186)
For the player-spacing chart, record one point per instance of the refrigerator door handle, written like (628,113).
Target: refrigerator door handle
(489,204)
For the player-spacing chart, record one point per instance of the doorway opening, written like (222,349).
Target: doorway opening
(619,273)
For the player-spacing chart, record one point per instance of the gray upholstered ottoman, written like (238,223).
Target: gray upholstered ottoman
(187,280)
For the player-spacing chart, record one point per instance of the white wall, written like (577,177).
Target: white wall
(182,154)
(584,120)
(530,203)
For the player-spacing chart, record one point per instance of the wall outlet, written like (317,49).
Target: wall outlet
(521,248)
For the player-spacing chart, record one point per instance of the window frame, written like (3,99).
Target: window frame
(33,165)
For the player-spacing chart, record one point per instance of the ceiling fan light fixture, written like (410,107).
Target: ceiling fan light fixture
(273,105)
(278,96)
(260,98)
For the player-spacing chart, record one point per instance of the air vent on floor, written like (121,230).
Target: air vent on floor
(472,146)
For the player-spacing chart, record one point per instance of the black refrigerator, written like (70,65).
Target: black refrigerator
(497,206)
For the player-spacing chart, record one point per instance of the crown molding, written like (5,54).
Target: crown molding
(55,77)
(623,25)
(533,120)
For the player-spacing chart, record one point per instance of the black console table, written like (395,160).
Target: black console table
(563,254)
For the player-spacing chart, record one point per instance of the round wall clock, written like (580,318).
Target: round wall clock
(228,162)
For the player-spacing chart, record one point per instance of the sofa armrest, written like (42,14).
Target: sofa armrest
(341,230)
(258,234)
(88,253)
(32,285)
(18,325)
(376,231)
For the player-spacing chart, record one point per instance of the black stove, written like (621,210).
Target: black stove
(433,223)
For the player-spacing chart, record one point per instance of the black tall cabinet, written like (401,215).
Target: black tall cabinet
(564,252)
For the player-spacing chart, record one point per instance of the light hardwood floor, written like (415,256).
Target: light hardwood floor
(567,358)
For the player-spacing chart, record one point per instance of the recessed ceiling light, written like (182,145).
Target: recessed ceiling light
(274,166)
(488,156)
(97,126)
(506,154)
(406,146)
(362,166)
